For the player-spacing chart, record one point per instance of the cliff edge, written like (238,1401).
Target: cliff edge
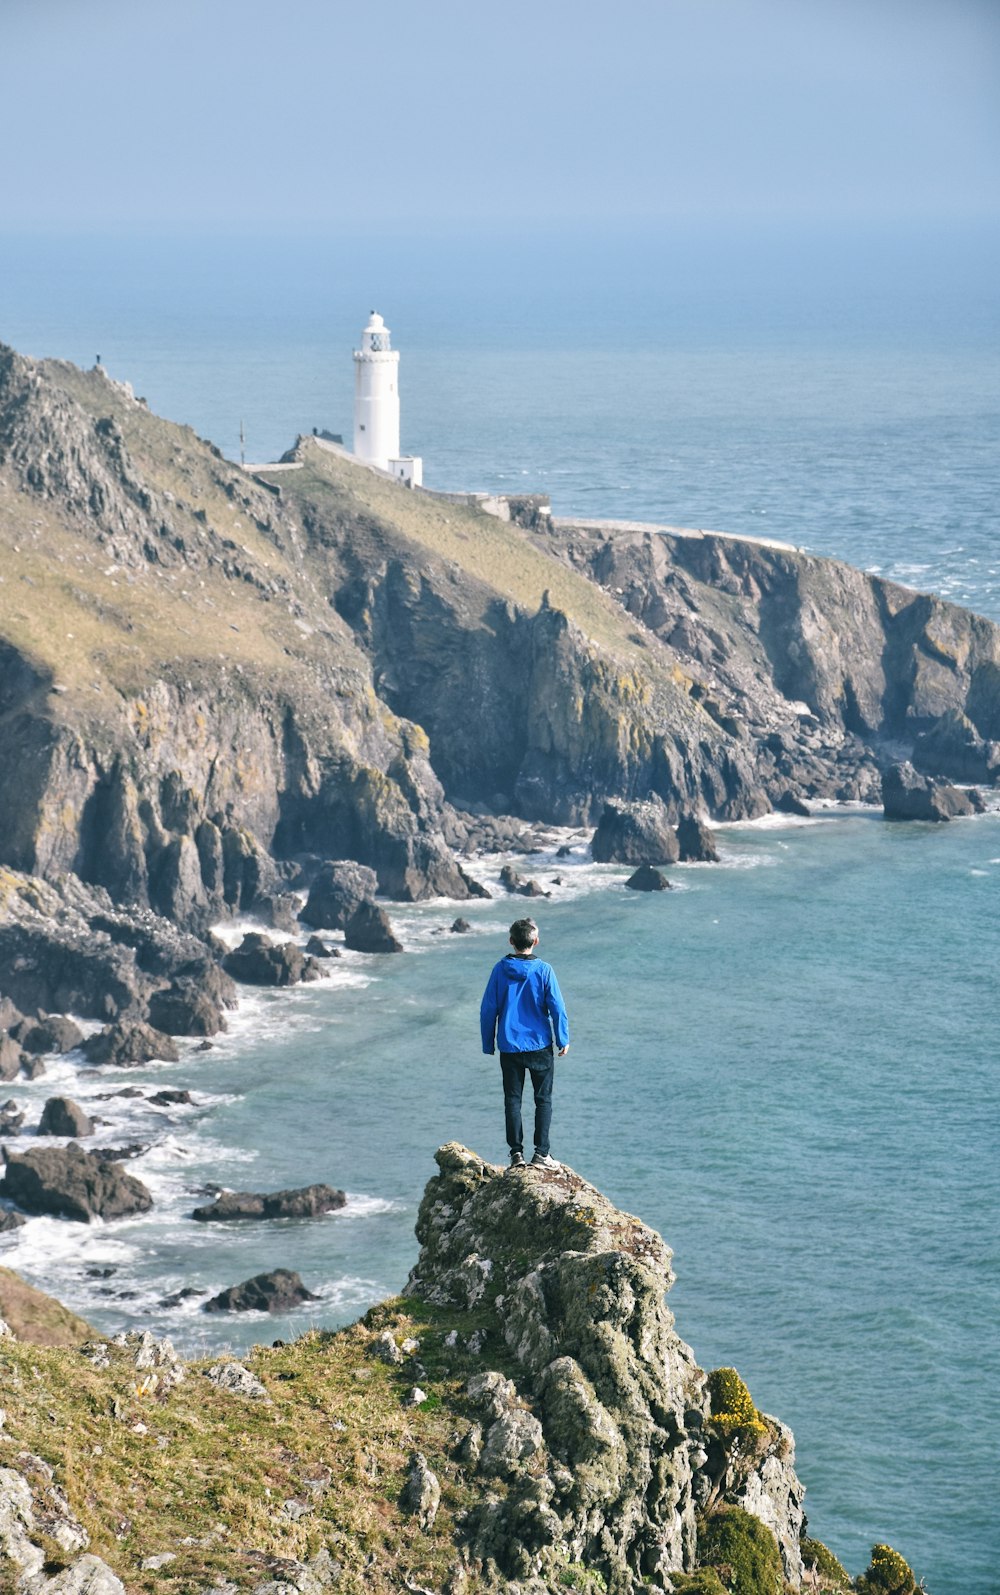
(524,1418)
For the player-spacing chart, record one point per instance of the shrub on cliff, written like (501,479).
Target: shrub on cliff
(743,1552)
(733,1410)
(820,1561)
(886,1574)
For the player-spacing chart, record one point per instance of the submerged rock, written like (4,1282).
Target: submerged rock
(72,1183)
(308,1202)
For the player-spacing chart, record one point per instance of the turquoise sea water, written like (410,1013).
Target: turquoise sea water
(788,1065)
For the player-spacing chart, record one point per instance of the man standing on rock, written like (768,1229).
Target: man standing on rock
(521,1004)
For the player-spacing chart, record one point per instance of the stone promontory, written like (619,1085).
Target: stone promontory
(524,1418)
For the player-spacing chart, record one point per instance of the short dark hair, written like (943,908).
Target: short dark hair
(523,933)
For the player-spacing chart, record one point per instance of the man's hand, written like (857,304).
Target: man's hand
(563,1050)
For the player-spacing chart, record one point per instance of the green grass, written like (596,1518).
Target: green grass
(204,1474)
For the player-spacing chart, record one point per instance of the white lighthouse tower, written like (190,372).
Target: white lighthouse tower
(376,405)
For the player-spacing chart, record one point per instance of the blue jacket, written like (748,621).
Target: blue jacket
(520,1004)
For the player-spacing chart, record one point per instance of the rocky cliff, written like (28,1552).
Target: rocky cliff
(524,1419)
(207,677)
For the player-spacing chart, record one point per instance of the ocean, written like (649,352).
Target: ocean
(788,1065)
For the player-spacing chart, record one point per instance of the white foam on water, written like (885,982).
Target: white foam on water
(45,1243)
(360,1205)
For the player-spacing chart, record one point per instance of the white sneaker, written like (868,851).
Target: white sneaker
(541,1160)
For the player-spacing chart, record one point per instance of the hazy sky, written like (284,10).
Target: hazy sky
(320,113)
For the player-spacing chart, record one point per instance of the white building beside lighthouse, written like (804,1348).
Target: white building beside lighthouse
(376,405)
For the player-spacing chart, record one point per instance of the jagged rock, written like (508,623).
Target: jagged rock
(63,1116)
(128,1042)
(513,1437)
(9,1220)
(369,931)
(11,1058)
(788,803)
(258,961)
(952,747)
(421,1494)
(532,888)
(72,1183)
(386,1349)
(120,1154)
(48,1033)
(11,1117)
(510,880)
(316,947)
(275,1292)
(635,833)
(460,927)
(340,887)
(17,1525)
(696,841)
(88,1575)
(308,1202)
(171,1097)
(32,1065)
(280,910)
(907,795)
(648,879)
(193,1006)
(603,1387)
(232,1376)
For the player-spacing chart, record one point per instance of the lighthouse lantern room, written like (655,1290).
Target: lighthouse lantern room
(376,405)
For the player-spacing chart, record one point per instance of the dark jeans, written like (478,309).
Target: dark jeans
(542,1066)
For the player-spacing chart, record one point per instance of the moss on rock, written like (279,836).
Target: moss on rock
(743,1552)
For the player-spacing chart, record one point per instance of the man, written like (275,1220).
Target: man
(521,1003)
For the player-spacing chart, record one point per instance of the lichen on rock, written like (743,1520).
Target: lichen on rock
(596,1429)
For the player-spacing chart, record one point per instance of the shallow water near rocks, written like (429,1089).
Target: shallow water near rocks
(786,1065)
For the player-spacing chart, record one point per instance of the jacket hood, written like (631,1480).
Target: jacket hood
(518,968)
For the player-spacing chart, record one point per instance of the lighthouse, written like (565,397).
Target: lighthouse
(376,405)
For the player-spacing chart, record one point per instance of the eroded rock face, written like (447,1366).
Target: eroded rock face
(599,1436)
(72,1183)
(648,879)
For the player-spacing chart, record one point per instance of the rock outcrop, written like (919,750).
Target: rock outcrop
(605,1435)
(908,795)
(258,961)
(277,1291)
(308,1202)
(63,1116)
(71,1183)
(369,931)
(635,833)
(338,888)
